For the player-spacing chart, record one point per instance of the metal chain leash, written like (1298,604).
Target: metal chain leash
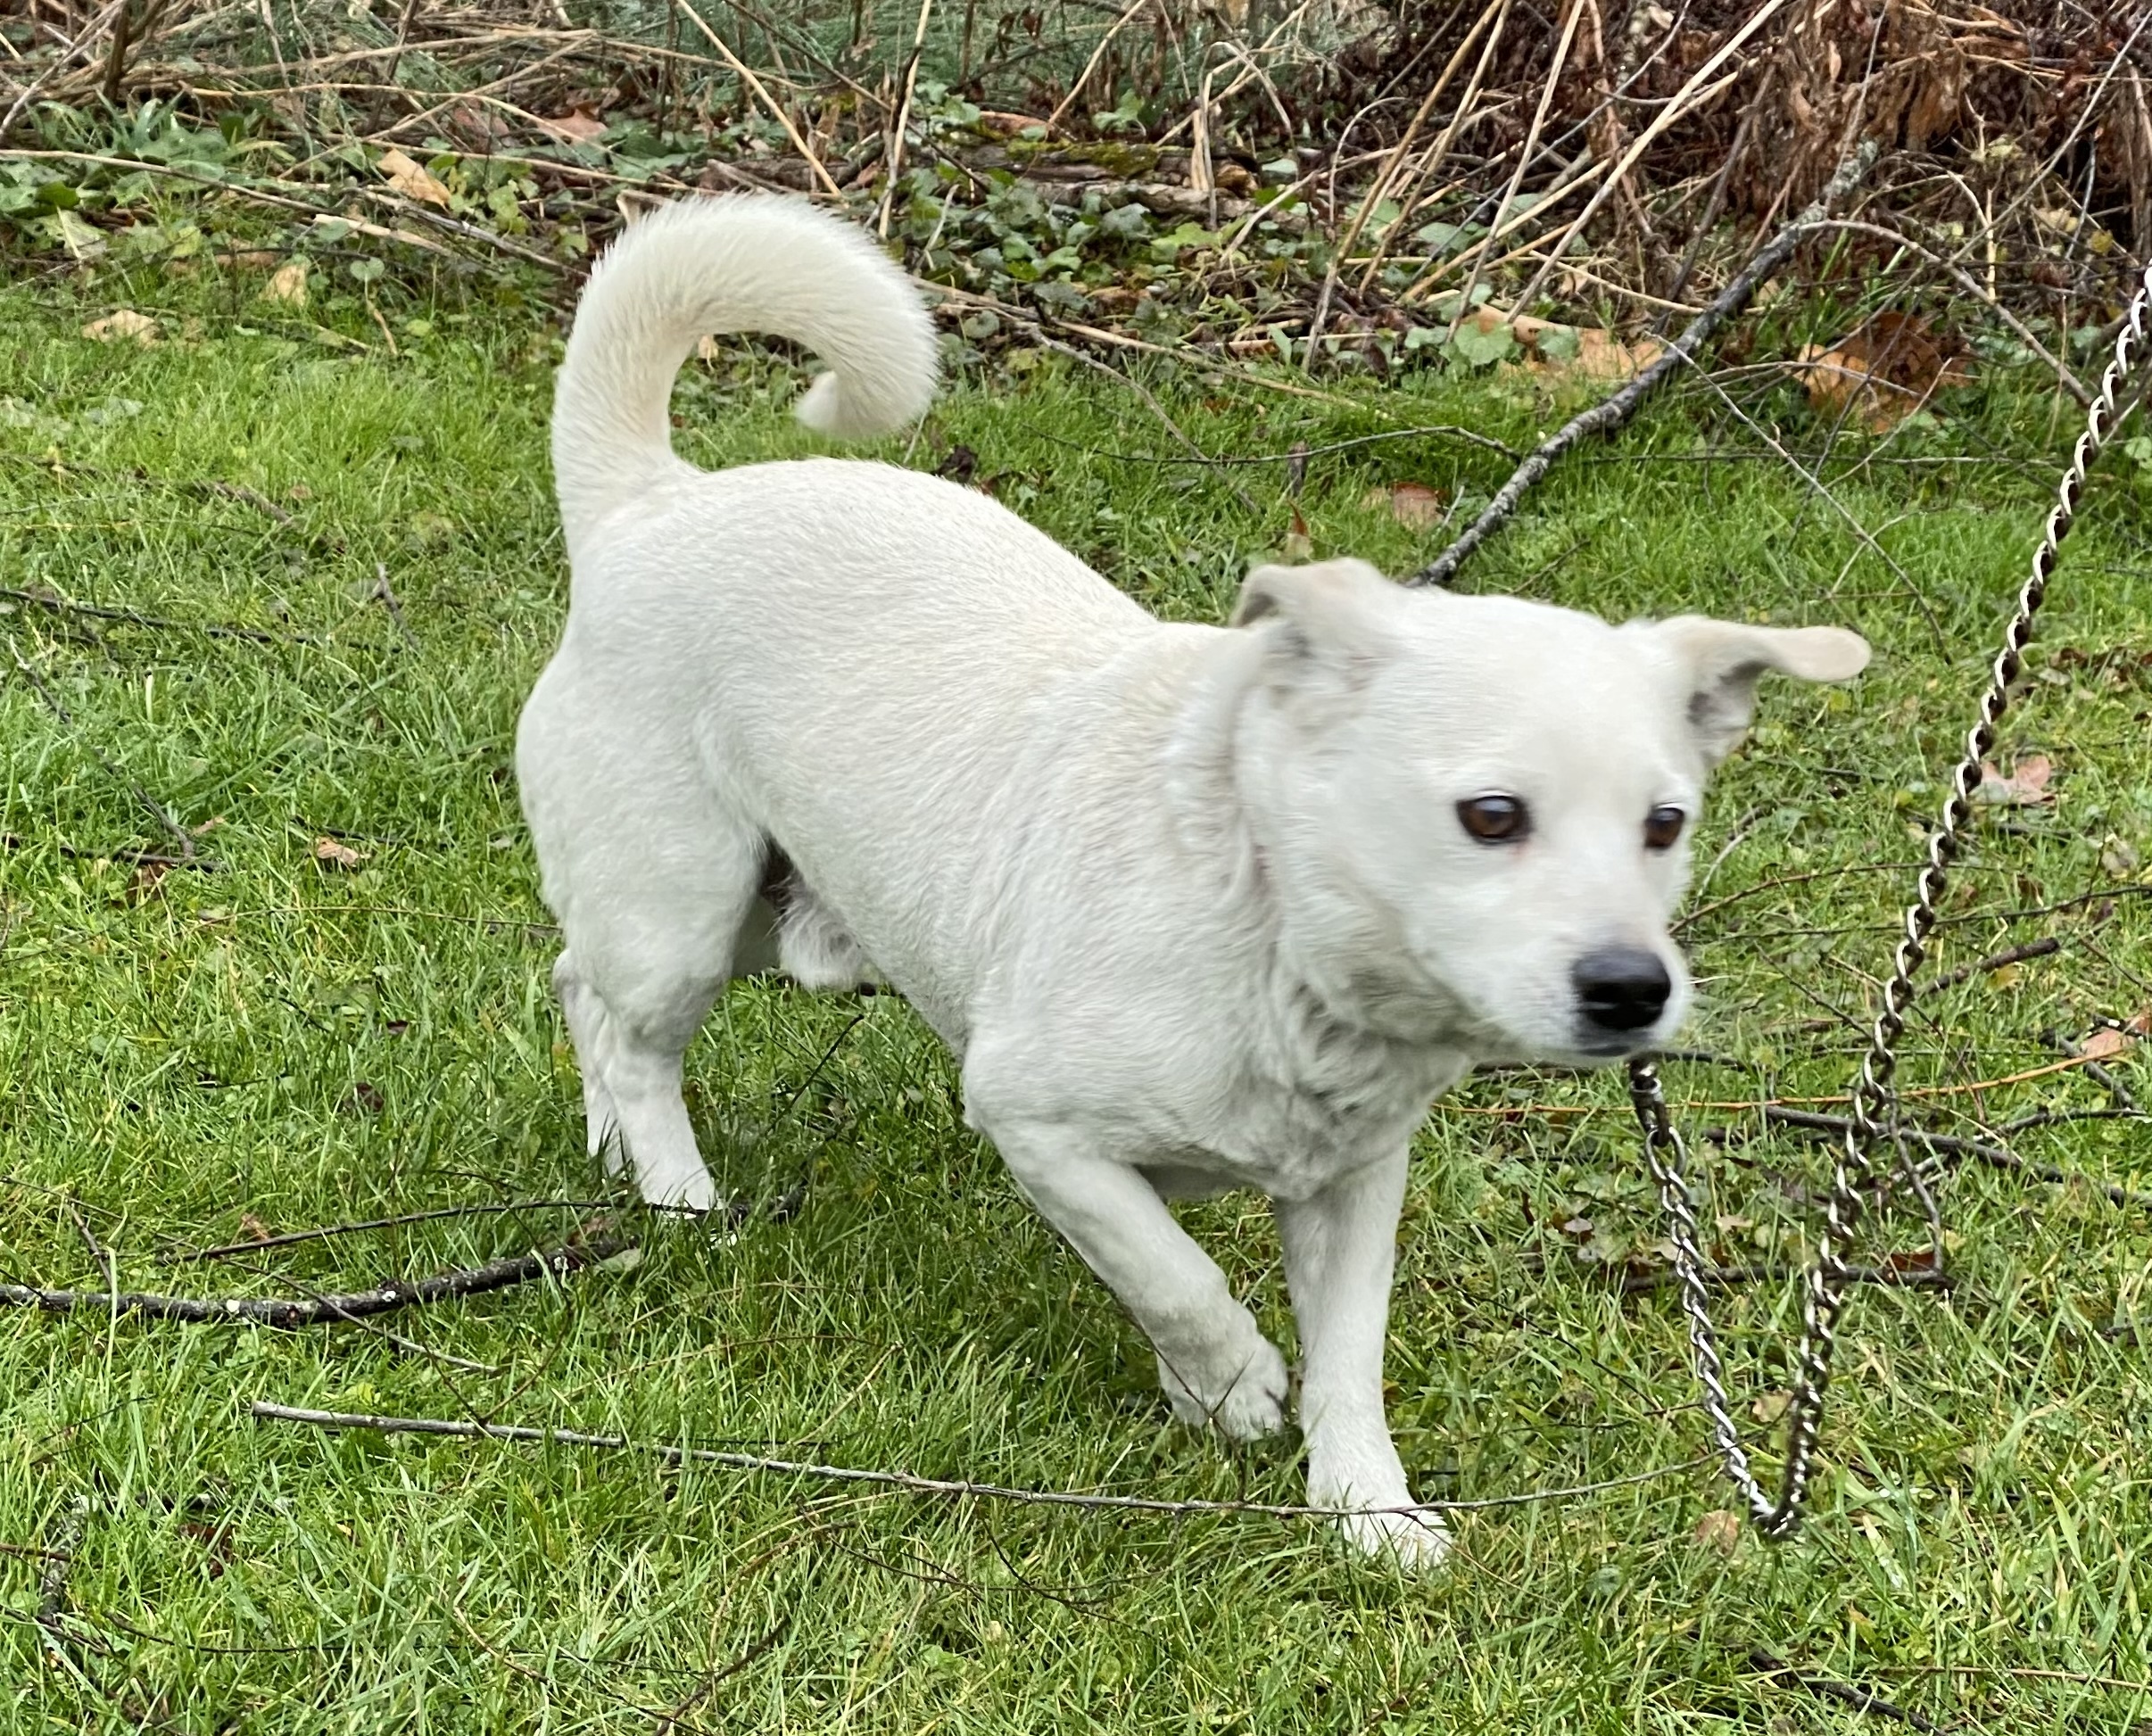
(1875,1101)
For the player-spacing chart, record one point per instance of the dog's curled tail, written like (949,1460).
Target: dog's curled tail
(740,262)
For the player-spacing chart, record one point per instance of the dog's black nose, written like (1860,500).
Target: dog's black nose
(1622,988)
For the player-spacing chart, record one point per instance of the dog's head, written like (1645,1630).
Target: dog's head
(1476,811)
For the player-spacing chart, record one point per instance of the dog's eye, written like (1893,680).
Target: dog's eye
(1494,819)
(1662,828)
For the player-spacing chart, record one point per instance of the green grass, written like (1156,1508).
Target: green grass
(290,1043)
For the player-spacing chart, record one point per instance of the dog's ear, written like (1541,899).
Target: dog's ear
(1723,660)
(1326,622)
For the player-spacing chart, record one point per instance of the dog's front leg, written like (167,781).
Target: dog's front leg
(1217,1367)
(1340,1246)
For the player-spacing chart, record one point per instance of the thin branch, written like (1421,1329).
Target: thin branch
(191,857)
(1845,1693)
(1298,455)
(1157,409)
(894,171)
(289,1312)
(955,1489)
(761,93)
(67,53)
(59,604)
(1972,287)
(1981,967)
(1613,413)
(294,1237)
(1999,1157)
(1912,1277)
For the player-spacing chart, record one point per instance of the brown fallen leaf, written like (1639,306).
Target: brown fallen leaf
(287,283)
(1883,372)
(364,1098)
(1720,1531)
(578,126)
(1414,505)
(125,323)
(2119,856)
(477,128)
(1602,356)
(215,1541)
(2026,786)
(1770,1407)
(253,1229)
(333,853)
(1298,544)
(1585,352)
(2107,1042)
(412,179)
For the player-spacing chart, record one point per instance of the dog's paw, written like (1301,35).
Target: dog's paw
(1415,1540)
(1243,1399)
(686,1191)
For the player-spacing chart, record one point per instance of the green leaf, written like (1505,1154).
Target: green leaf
(1126,223)
(1482,349)
(1559,343)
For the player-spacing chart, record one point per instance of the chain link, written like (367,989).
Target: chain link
(1874,1099)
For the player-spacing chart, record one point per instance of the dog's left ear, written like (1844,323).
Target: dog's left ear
(1723,661)
(1324,626)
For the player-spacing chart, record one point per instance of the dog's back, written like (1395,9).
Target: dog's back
(814,659)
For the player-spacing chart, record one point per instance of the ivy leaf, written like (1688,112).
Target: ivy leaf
(1483,340)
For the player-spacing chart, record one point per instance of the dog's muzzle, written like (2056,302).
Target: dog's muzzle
(1619,990)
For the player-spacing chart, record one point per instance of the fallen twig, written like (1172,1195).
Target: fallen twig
(1972,287)
(761,94)
(53,1585)
(2009,956)
(1845,1693)
(294,1237)
(290,1313)
(1196,453)
(1614,412)
(1637,1283)
(190,855)
(239,491)
(1999,1157)
(9,841)
(385,593)
(59,63)
(956,1489)
(1299,455)
(58,605)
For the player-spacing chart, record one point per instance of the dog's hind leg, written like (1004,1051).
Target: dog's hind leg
(650,939)
(652,877)
(585,1012)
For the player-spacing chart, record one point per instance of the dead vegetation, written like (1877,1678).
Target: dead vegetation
(1325,181)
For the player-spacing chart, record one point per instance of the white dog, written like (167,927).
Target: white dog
(1194,908)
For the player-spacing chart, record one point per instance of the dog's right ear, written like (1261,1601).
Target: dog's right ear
(1326,624)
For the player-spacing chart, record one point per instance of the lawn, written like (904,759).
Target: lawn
(339,1011)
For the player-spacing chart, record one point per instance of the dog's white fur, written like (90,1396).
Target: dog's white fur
(1192,905)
